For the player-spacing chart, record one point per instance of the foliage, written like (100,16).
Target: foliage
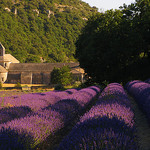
(59,87)
(114,45)
(1,85)
(18,84)
(34,33)
(61,76)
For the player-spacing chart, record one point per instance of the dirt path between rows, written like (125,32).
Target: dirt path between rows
(143,127)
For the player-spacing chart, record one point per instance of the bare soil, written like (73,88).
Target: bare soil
(143,127)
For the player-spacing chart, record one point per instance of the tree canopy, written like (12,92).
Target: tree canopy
(115,45)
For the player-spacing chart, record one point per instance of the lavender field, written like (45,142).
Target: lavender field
(91,118)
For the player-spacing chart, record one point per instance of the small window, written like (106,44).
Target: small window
(2,79)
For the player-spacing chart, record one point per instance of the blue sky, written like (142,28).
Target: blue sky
(104,5)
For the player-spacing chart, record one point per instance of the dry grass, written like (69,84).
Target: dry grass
(12,92)
(29,85)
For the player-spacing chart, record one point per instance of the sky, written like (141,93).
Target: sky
(104,5)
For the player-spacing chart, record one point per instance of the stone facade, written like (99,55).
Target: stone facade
(31,73)
(3,74)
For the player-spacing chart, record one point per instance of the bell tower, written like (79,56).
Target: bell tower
(2,50)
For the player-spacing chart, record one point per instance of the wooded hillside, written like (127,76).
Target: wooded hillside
(42,30)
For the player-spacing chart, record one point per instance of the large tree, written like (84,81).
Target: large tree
(114,45)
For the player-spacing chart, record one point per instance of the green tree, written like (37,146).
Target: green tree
(55,76)
(61,76)
(111,45)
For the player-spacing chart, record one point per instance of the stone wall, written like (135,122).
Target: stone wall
(26,77)
(46,77)
(3,77)
(14,77)
(37,78)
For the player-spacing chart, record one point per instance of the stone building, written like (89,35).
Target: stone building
(12,71)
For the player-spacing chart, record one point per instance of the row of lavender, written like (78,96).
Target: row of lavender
(141,93)
(52,113)
(33,100)
(19,106)
(109,124)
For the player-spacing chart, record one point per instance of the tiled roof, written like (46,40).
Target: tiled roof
(8,58)
(2,69)
(22,67)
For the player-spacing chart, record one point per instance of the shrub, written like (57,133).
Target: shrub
(61,76)
(18,84)
(59,87)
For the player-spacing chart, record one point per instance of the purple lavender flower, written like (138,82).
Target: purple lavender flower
(35,101)
(141,93)
(7,114)
(101,133)
(38,125)
(147,81)
(84,96)
(109,124)
(45,120)
(11,140)
(110,110)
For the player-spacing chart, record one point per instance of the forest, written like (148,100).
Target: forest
(114,46)
(42,30)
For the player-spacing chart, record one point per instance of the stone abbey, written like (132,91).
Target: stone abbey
(12,71)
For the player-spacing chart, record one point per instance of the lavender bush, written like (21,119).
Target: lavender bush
(38,125)
(35,101)
(84,96)
(10,113)
(46,121)
(147,81)
(109,124)
(141,93)
(11,140)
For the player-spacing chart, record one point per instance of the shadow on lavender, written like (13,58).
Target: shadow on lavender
(147,81)
(102,134)
(8,114)
(130,84)
(11,140)
(109,124)
(68,108)
(124,101)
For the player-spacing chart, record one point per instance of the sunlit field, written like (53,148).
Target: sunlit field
(113,117)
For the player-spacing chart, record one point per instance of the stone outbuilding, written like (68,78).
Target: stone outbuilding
(12,71)
(3,74)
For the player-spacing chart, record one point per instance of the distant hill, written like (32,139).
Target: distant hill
(42,30)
